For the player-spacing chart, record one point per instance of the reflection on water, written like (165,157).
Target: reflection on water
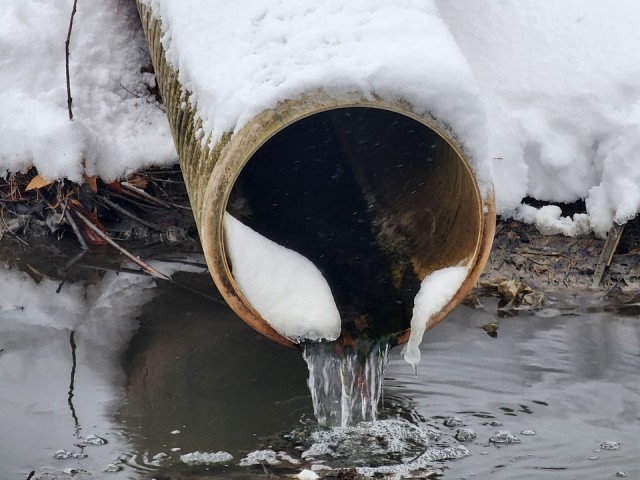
(59,369)
(162,373)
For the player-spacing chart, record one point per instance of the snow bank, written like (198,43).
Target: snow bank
(284,287)
(118,126)
(561,84)
(260,52)
(556,103)
(436,290)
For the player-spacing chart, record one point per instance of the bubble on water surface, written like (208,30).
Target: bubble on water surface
(452,422)
(62,454)
(395,448)
(206,458)
(595,457)
(66,454)
(621,474)
(92,439)
(465,435)
(112,468)
(434,434)
(610,445)
(504,437)
(74,471)
(258,457)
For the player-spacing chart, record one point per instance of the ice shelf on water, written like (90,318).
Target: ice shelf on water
(345,382)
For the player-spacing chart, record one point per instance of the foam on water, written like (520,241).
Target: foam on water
(206,458)
(345,382)
(390,447)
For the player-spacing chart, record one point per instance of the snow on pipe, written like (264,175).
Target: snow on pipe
(375,193)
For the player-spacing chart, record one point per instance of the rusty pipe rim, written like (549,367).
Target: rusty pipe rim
(247,141)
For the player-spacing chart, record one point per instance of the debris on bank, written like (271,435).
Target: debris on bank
(151,206)
(527,269)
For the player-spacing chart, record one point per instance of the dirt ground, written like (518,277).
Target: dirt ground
(563,268)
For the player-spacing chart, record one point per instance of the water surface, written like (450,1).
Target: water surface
(161,372)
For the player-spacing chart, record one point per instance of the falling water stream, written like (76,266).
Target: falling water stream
(345,382)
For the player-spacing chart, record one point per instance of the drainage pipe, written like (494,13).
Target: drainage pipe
(384,197)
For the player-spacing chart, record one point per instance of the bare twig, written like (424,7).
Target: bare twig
(127,90)
(66,214)
(264,469)
(131,271)
(7,228)
(66,51)
(144,195)
(126,212)
(76,230)
(146,267)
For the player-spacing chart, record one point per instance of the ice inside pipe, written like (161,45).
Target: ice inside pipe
(290,293)
(286,289)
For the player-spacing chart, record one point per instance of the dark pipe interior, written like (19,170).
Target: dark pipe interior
(349,189)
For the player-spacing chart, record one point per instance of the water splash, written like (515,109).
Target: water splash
(345,382)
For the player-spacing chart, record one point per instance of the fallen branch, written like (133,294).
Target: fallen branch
(609,249)
(66,51)
(146,267)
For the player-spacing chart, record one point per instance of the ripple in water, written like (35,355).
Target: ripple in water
(345,382)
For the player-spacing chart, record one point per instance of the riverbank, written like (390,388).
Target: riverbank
(150,209)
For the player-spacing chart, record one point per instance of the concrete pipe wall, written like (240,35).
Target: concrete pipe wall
(375,195)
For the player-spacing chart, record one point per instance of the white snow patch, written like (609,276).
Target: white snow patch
(307,475)
(548,220)
(274,51)
(436,290)
(562,98)
(117,127)
(284,287)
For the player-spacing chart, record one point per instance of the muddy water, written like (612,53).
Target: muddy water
(161,372)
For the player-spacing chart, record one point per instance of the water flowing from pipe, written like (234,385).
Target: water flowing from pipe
(345,381)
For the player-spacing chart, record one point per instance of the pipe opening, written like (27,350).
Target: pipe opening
(377,200)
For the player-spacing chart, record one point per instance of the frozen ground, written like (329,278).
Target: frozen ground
(533,88)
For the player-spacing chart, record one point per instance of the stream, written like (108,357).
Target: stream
(120,376)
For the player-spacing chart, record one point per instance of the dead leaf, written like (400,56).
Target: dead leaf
(510,289)
(91,182)
(138,181)
(38,182)
(115,186)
